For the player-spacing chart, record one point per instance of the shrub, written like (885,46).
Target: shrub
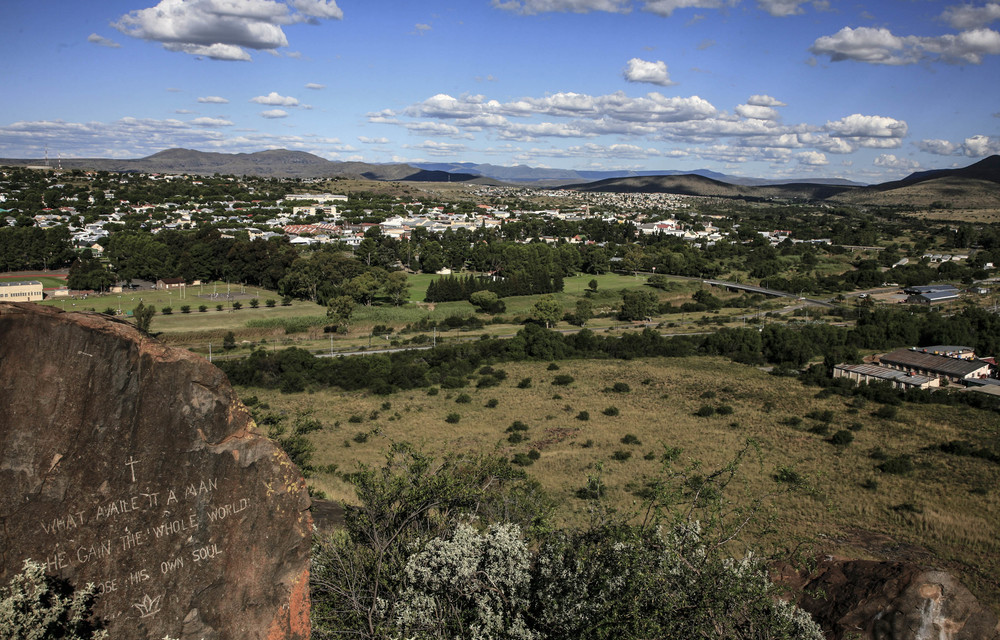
(787,475)
(611,411)
(588,443)
(620,387)
(842,438)
(553,366)
(821,429)
(886,412)
(218,307)
(35,605)
(563,380)
(185,308)
(452,418)
(583,415)
(534,454)
(516,437)
(237,305)
(360,437)
(705,411)
(792,421)
(463,398)
(286,301)
(897,465)
(630,438)
(166,311)
(707,395)
(822,416)
(724,410)
(254,303)
(433,391)
(871,484)
(517,425)
(522,460)
(270,303)
(855,426)
(650,455)
(202,308)
(621,455)
(355,419)
(492,403)
(525,383)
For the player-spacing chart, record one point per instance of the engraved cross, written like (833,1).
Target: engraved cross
(131,465)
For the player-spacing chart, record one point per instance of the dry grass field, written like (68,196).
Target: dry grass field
(945,512)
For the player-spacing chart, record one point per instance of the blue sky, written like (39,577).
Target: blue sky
(870,91)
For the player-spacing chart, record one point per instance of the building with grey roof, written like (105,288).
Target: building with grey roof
(863,373)
(917,362)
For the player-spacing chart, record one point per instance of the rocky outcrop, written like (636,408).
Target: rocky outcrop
(133,466)
(872,600)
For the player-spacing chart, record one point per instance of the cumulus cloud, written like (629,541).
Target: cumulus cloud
(139,137)
(222,29)
(102,41)
(765,101)
(938,147)
(315,86)
(318,9)
(757,112)
(213,100)
(812,158)
(889,161)
(421,28)
(211,122)
(968,16)
(869,131)
(532,7)
(638,70)
(667,7)
(367,140)
(275,100)
(880,46)
(434,148)
(980,146)
(781,8)
(273,114)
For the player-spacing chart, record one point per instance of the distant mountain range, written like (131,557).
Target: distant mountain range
(977,185)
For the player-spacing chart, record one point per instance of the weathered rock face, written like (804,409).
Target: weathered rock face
(873,600)
(133,466)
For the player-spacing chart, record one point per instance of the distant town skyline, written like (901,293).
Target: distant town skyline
(867,91)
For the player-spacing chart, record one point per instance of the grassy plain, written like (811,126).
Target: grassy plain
(946,512)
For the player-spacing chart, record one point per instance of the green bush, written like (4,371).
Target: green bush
(35,606)
(553,366)
(517,425)
(202,308)
(610,411)
(900,465)
(185,308)
(724,410)
(522,460)
(886,412)
(583,415)
(452,418)
(620,387)
(525,383)
(270,303)
(463,398)
(630,438)
(492,403)
(705,411)
(563,379)
(842,438)
(787,475)
(621,455)
(516,437)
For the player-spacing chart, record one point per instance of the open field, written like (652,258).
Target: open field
(945,512)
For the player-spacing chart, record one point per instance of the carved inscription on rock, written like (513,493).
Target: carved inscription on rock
(134,468)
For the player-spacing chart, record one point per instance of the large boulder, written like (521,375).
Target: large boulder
(133,466)
(871,600)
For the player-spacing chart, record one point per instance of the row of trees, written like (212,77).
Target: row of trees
(519,283)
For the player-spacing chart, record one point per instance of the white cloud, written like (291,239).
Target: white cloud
(272,114)
(667,7)
(781,8)
(184,111)
(867,127)
(275,100)
(102,41)
(213,100)
(422,28)
(757,112)
(980,146)
(765,101)
(315,86)
(222,29)
(367,140)
(436,129)
(439,148)
(938,147)
(532,7)
(880,46)
(968,16)
(638,70)
(318,9)
(211,122)
(889,161)
(812,158)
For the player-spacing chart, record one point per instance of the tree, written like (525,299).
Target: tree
(339,309)
(593,285)
(637,304)
(143,315)
(397,287)
(547,310)
(584,312)
(362,289)
(229,341)
(35,606)
(487,302)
